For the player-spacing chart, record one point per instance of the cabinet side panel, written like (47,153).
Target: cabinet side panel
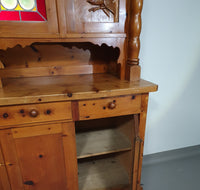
(142,128)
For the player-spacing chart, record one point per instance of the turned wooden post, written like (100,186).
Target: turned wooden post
(133,45)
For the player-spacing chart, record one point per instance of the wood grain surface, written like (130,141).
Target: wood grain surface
(15,115)
(4,180)
(93,109)
(59,88)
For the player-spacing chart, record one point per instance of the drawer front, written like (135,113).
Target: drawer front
(109,107)
(22,114)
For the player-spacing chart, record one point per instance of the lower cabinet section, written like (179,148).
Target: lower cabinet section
(105,153)
(86,155)
(40,157)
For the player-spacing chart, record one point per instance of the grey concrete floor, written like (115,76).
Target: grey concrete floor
(182,173)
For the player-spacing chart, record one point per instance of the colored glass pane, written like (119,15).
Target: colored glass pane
(9,4)
(27,4)
(9,15)
(23,10)
(27,16)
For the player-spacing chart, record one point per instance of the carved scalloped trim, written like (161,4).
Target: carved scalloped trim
(1,65)
(6,43)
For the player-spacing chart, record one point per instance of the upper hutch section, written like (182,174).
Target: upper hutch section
(59,18)
(114,23)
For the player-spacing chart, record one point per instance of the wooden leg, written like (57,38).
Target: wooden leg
(142,127)
(139,187)
(140,123)
(136,152)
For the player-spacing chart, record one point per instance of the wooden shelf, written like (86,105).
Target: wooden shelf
(72,87)
(103,174)
(100,142)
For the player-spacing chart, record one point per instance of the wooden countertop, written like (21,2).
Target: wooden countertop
(74,87)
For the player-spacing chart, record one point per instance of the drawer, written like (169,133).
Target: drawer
(109,107)
(22,114)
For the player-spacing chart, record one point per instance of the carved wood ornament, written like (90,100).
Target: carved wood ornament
(107,6)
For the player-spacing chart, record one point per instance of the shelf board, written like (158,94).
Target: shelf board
(72,87)
(103,174)
(100,142)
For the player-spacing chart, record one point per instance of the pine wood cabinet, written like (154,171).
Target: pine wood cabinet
(72,104)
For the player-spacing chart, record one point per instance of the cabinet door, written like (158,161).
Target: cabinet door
(4,182)
(41,157)
(92,16)
(30,18)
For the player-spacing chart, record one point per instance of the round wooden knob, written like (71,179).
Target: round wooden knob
(111,105)
(33,113)
(5,115)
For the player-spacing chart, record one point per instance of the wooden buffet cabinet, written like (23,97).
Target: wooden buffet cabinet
(72,104)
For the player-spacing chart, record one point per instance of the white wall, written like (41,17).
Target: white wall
(170,57)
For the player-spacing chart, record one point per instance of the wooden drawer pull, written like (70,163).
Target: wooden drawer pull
(34,113)
(112,105)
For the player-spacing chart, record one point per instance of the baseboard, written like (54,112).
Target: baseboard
(171,155)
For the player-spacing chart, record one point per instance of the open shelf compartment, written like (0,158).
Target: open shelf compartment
(103,174)
(104,136)
(105,153)
(101,142)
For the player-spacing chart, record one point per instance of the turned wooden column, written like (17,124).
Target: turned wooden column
(133,35)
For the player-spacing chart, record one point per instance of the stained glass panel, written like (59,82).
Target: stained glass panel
(23,10)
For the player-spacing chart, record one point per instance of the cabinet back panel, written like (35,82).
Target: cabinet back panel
(58,59)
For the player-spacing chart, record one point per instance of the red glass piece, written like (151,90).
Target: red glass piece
(31,16)
(9,15)
(42,8)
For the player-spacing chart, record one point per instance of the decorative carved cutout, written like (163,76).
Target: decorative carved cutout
(107,6)
(1,65)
